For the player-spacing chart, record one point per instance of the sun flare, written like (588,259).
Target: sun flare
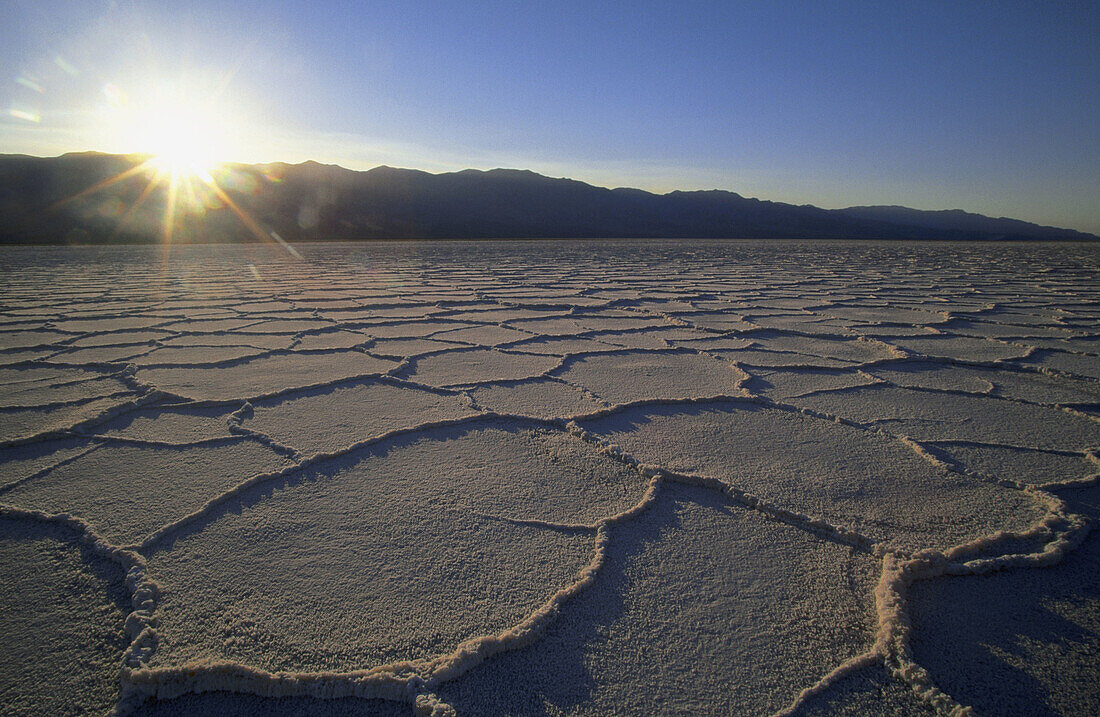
(183,134)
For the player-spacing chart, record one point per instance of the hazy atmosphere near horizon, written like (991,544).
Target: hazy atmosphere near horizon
(548,359)
(987,107)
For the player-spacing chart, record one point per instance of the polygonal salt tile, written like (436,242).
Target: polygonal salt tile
(852,478)
(702,607)
(537,398)
(1020,465)
(264,376)
(127,492)
(401,552)
(336,418)
(935,416)
(628,377)
(478,366)
(961,347)
(23,423)
(176,425)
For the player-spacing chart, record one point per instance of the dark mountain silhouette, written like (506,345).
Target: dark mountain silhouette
(71,199)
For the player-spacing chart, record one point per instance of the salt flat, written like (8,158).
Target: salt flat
(547,478)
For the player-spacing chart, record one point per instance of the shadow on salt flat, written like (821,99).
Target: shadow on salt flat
(61,615)
(1020,642)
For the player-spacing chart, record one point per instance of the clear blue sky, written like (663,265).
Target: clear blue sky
(985,106)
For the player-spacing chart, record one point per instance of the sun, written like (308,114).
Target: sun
(183,133)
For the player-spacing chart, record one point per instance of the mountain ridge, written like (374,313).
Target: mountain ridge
(46,201)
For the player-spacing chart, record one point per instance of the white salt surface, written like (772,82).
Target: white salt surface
(547,478)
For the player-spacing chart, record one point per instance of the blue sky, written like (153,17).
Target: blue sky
(985,106)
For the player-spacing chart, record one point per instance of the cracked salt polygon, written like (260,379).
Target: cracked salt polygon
(885,315)
(629,377)
(120,338)
(998,331)
(718,321)
(564,345)
(331,340)
(210,325)
(1060,361)
(107,323)
(412,329)
(537,398)
(461,367)
(641,340)
(128,491)
(264,376)
(261,341)
(844,350)
(711,344)
(1044,388)
(25,423)
(961,347)
(334,418)
(399,552)
(61,614)
(702,607)
(195,355)
(850,477)
(178,425)
(484,335)
(286,326)
(936,416)
(1021,465)
(766,358)
(23,461)
(100,354)
(940,376)
(400,348)
(30,339)
(783,385)
(550,327)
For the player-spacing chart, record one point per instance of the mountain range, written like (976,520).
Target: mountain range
(80,198)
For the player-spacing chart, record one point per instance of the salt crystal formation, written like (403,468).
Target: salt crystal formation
(543,478)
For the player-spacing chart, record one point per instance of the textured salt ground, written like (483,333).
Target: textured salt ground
(932,416)
(866,482)
(544,398)
(229,704)
(24,423)
(472,288)
(264,376)
(127,492)
(180,426)
(703,607)
(1039,656)
(478,366)
(62,622)
(357,574)
(331,419)
(629,377)
(869,691)
(1020,465)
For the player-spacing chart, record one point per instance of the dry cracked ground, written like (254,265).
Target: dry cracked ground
(541,478)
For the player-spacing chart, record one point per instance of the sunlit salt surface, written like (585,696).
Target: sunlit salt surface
(545,478)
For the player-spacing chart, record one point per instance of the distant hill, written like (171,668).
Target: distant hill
(47,201)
